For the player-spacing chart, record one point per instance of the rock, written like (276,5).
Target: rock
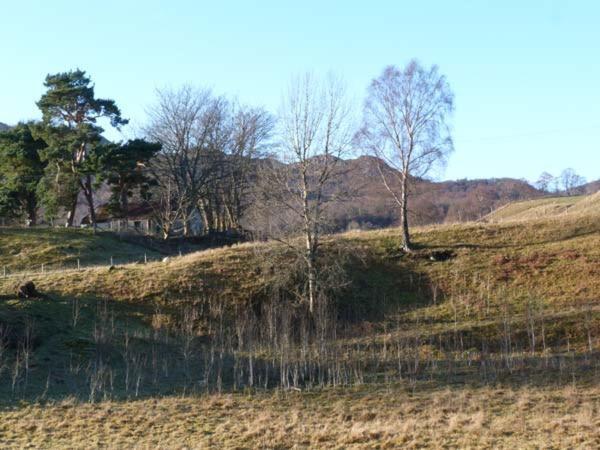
(111,268)
(166,259)
(28,290)
(442,255)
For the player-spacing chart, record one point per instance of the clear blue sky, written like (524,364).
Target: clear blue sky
(526,75)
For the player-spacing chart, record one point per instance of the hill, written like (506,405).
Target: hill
(591,188)
(432,202)
(505,314)
(3,127)
(60,248)
(548,207)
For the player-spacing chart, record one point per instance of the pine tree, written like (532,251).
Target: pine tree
(70,112)
(21,170)
(124,167)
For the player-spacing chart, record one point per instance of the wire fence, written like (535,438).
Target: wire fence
(76,265)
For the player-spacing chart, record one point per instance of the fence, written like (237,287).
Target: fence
(76,266)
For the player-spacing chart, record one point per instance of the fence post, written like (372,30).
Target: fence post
(4,271)
(42,268)
(145,258)
(111,261)
(78,266)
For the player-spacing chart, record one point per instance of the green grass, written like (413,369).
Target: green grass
(27,249)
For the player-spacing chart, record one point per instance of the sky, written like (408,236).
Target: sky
(525,75)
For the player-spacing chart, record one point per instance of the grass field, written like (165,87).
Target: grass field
(526,417)
(495,346)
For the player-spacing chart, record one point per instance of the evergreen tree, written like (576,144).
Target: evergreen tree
(124,167)
(21,170)
(70,112)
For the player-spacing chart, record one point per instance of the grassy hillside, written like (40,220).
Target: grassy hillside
(56,248)
(556,260)
(547,208)
(510,319)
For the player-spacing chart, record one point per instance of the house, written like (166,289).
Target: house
(139,219)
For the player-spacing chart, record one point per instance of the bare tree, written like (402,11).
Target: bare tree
(186,123)
(570,181)
(167,206)
(405,126)
(247,132)
(314,133)
(546,182)
(208,149)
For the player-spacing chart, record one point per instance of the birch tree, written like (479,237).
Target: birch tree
(314,132)
(405,126)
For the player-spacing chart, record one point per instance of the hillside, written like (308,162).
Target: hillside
(431,202)
(591,188)
(3,127)
(510,318)
(548,207)
(60,248)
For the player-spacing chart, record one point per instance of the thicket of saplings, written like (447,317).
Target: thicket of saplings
(204,344)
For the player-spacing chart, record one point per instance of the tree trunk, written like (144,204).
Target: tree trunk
(124,200)
(204,216)
(312,276)
(71,214)
(231,221)
(32,209)
(406,246)
(166,231)
(311,230)
(89,197)
(186,223)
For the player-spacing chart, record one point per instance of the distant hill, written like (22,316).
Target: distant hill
(372,206)
(3,127)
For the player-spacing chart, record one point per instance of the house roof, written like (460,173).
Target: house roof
(136,211)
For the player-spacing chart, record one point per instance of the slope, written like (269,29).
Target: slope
(549,207)
(57,248)
(474,303)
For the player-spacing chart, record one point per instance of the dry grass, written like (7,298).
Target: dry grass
(368,417)
(556,259)
(552,263)
(546,208)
